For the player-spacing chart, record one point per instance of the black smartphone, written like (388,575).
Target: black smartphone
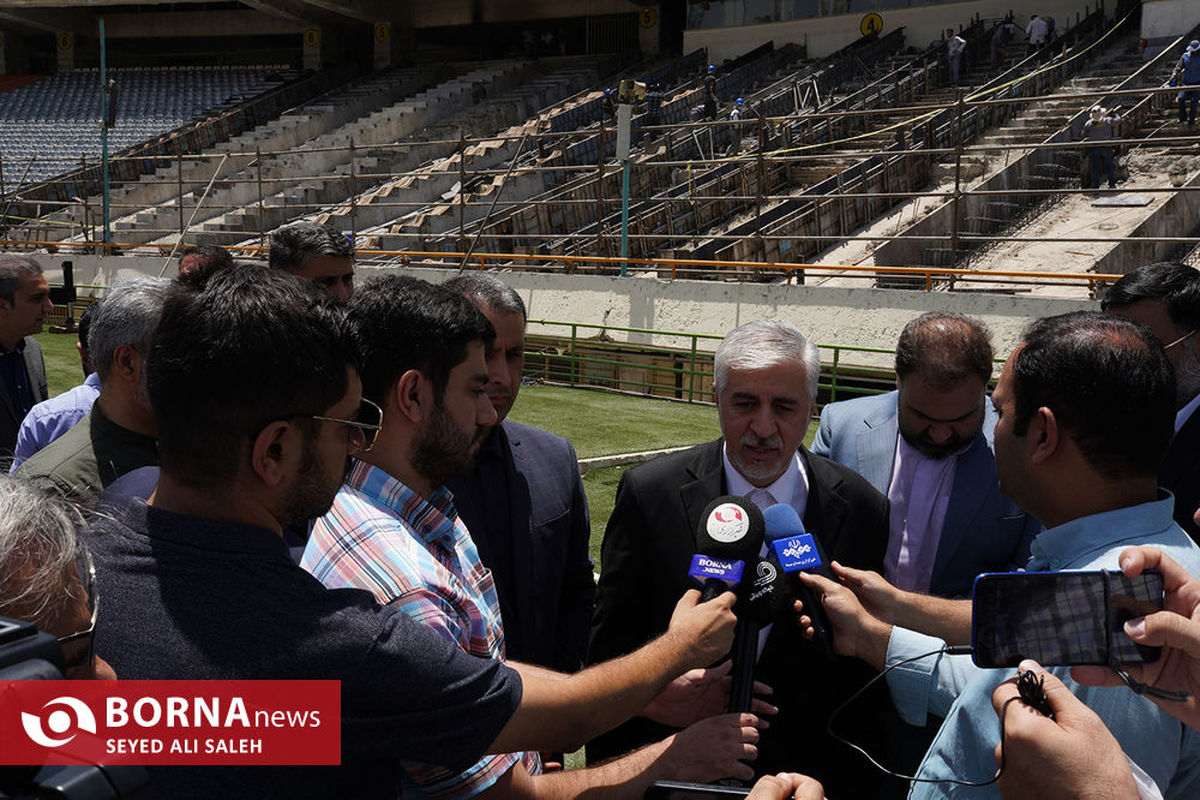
(679,790)
(1061,618)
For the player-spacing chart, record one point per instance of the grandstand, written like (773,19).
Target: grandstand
(443,134)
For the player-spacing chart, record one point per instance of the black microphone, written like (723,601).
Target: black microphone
(763,598)
(798,551)
(730,534)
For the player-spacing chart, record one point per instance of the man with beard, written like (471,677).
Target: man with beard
(928,446)
(1165,297)
(394,531)
(254,384)
(765,379)
(117,435)
(524,504)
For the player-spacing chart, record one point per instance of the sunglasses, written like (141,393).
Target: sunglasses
(1177,341)
(79,648)
(364,430)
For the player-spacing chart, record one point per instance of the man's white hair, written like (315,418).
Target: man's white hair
(38,549)
(761,344)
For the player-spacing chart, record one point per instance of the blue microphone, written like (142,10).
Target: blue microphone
(799,551)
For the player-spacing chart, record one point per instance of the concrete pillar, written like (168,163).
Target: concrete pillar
(649,21)
(383,45)
(66,50)
(312,49)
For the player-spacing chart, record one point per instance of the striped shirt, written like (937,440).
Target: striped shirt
(416,553)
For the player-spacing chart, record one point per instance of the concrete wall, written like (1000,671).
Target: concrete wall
(1179,216)
(859,317)
(824,35)
(1163,20)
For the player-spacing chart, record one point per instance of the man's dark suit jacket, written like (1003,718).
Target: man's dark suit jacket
(545,576)
(644,562)
(10,422)
(1181,474)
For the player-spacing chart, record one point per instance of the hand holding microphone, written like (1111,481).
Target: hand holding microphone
(797,551)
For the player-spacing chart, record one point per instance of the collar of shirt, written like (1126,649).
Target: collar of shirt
(1057,547)
(203,533)
(1185,413)
(432,519)
(791,487)
(16,351)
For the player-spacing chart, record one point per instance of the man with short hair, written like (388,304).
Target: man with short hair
(1165,297)
(524,504)
(928,446)
(51,418)
(48,576)
(254,384)
(393,529)
(117,434)
(318,253)
(203,259)
(24,303)
(765,379)
(1092,483)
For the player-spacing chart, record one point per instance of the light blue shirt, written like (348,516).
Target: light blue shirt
(51,418)
(952,686)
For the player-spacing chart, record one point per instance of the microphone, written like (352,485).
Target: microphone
(763,598)
(798,551)
(730,533)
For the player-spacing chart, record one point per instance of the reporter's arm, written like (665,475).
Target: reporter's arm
(704,752)
(563,712)
(949,620)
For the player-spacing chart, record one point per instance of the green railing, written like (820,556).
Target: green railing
(683,371)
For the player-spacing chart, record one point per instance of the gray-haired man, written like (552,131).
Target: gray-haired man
(118,435)
(766,383)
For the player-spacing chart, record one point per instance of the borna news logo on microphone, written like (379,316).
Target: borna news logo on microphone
(170,722)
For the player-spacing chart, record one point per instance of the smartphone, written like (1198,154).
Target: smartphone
(678,790)
(1061,618)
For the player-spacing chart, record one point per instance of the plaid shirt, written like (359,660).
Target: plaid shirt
(416,553)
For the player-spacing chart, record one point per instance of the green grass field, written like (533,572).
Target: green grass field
(62,361)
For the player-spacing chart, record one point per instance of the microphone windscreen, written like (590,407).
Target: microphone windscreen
(781,521)
(731,527)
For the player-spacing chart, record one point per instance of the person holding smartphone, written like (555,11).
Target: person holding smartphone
(1074,755)
(1060,456)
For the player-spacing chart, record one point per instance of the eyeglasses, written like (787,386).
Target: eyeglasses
(81,655)
(364,430)
(1180,339)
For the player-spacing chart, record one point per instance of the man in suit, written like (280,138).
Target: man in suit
(524,504)
(1165,297)
(24,303)
(765,378)
(928,447)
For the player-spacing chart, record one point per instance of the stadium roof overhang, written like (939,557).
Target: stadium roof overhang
(51,16)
